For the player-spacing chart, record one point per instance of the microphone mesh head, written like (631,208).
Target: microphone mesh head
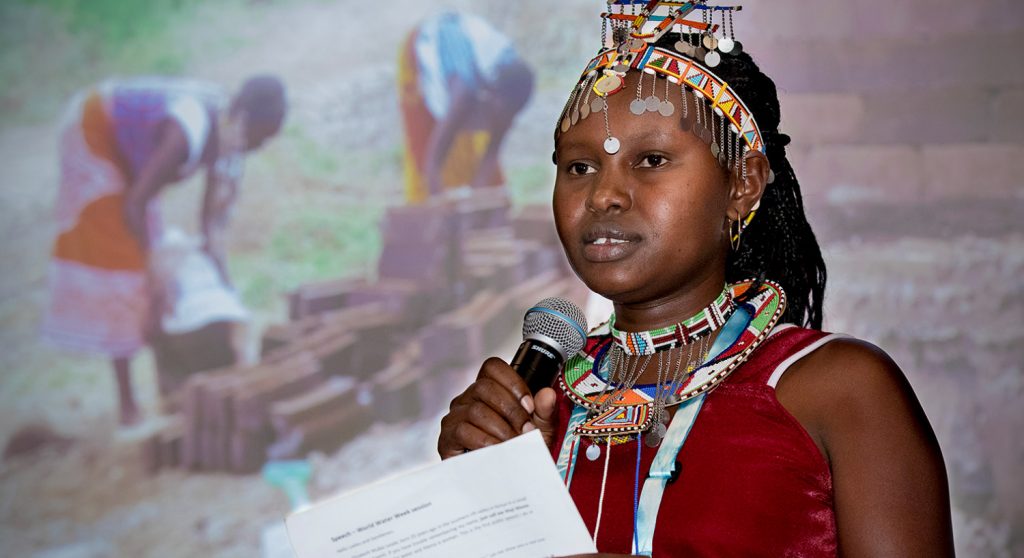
(560,321)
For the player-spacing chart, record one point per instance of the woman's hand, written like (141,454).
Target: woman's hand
(496,407)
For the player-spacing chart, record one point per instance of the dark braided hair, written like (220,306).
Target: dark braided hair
(779,244)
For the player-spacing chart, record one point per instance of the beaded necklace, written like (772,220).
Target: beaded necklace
(760,304)
(709,319)
(605,413)
(621,377)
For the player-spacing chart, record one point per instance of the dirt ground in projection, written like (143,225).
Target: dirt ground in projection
(947,306)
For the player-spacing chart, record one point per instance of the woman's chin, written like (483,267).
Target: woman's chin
(619,290)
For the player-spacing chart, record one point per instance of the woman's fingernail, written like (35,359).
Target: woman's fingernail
(527,402)
(528,427)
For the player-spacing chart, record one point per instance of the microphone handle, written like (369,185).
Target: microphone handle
(537,364)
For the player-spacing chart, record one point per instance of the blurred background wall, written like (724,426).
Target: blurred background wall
(908,140)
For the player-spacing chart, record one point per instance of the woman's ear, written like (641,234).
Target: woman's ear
(747,188)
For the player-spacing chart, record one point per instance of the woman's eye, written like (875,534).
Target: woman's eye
(580,168)
(652,161)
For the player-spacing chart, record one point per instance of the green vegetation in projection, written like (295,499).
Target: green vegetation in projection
(310,243)
(531,184)
(51,48)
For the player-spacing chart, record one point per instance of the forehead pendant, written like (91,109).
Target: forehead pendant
(608,84)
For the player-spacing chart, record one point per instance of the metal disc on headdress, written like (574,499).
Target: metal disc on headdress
(685,124)
(637,107)
(621,68)
(666,108)
(612,145)
(684,48)
(608,84)
(565,124)
(637,44)
(715,150)
(652,103)
(574,117)
(723,159)
(699,53)
(771,177)
(725,44)
(710,42)
(712,59)
(737,48)
(706,135)
(597,105)
(584,111)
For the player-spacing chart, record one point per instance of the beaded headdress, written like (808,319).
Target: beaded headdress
(709,108)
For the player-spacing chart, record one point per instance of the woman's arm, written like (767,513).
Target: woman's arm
(890,485)
(461,105)
(160,169)
(220,194)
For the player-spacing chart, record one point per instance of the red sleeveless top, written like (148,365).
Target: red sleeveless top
(752,482)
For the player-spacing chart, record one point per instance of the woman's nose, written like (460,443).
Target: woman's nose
(610,193)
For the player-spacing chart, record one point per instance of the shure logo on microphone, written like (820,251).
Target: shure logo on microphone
(546,352)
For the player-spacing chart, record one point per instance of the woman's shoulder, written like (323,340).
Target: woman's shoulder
(849,389)
(862,412)
(845,368)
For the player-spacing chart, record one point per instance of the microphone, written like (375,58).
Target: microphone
(553,330)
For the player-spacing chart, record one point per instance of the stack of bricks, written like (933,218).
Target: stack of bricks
(224,423)
(454,279)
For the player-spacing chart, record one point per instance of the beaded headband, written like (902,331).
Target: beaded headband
(720,118)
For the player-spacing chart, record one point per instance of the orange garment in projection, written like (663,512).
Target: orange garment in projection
(467,150)
(97,279)
(100,238)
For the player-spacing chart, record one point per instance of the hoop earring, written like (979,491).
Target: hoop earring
(735,232)
(737,227)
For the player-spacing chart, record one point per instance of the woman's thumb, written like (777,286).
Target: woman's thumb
(544,416)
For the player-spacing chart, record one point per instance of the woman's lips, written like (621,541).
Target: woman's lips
(609,248)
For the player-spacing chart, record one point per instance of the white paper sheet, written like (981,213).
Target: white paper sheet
(506,500)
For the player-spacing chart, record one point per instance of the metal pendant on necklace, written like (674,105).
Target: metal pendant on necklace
(655,435)
(593,451)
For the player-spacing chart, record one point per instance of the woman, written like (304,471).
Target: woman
(461,84)
(123,142)
(702,420)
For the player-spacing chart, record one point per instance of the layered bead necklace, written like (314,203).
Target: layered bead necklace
(629,356)
(610,409)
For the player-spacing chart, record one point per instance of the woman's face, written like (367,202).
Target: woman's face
(649,222)
(257,132)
